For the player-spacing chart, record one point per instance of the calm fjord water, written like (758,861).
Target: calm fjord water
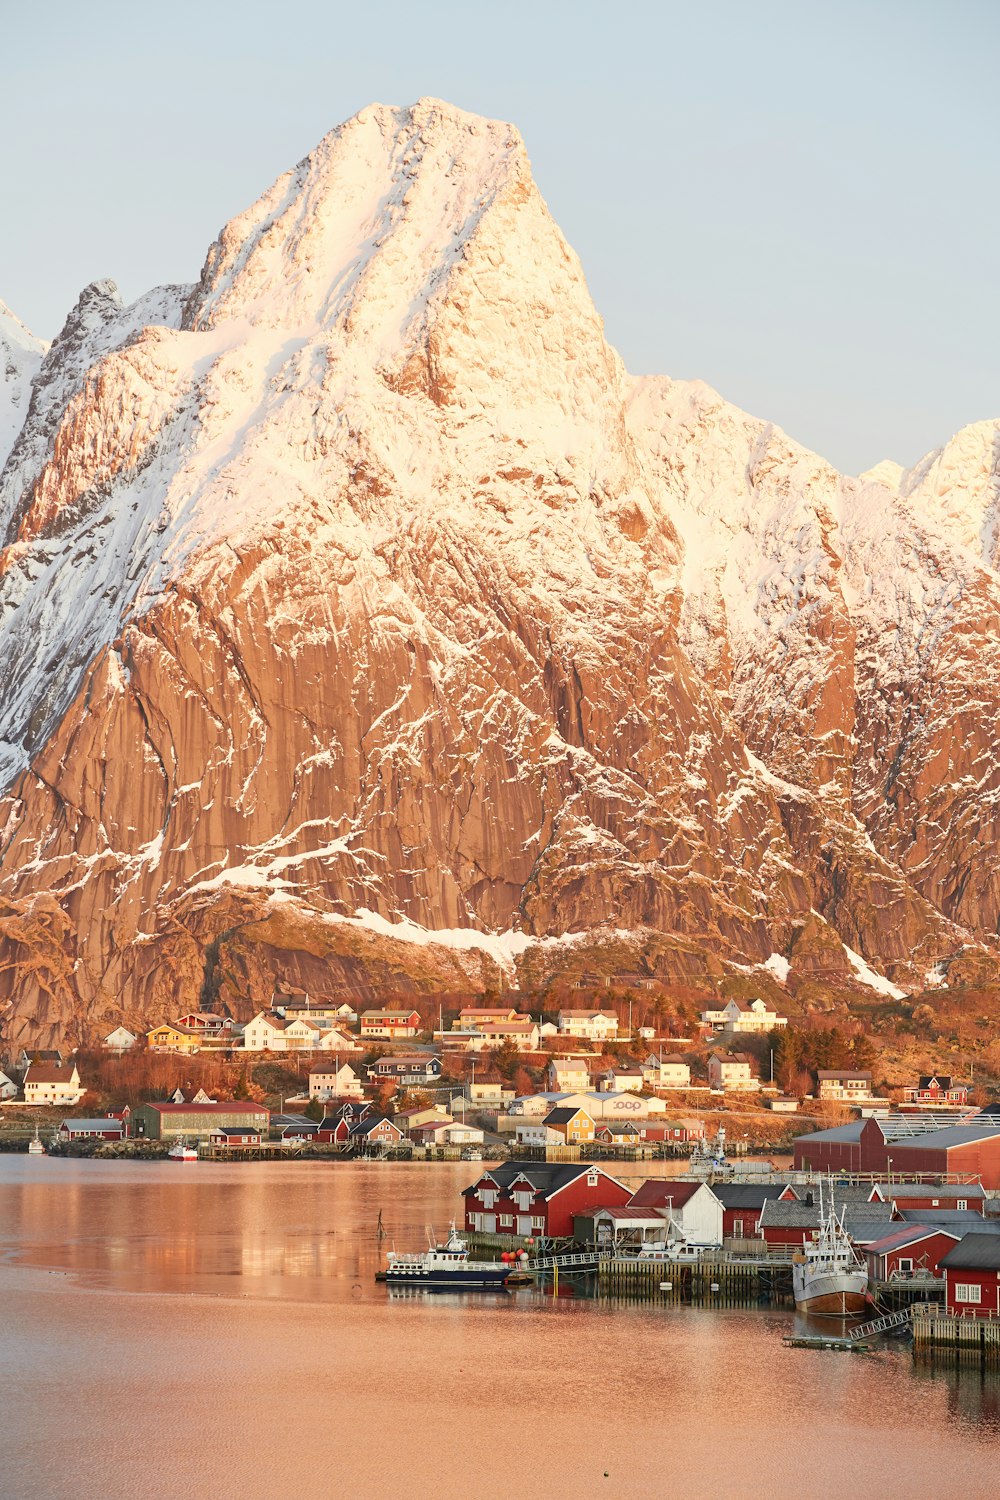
(215,1331)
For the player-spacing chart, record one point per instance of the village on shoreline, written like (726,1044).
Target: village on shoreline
(558,1107)
(577,1079)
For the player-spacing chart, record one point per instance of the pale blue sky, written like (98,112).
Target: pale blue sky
(797,202)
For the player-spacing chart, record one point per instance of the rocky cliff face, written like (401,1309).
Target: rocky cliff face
(363,622)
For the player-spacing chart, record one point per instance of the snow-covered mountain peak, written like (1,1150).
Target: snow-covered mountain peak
(886,472)
(957,489)
(414,243)
(21,355)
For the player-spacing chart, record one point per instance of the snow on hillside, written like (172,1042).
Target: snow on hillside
(397,596)
(20,360)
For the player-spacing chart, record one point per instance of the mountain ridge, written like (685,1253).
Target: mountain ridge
(355,591)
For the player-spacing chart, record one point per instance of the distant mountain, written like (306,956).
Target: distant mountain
(20,358)
(363,622)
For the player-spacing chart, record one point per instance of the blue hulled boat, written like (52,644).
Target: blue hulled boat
(447,1267)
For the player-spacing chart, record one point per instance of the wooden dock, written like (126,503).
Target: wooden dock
(717,1282)
(942,1336)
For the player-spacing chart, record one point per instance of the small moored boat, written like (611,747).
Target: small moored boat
(182,1151)
(35,1146)
(447,1267)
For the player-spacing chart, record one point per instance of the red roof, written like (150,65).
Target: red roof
(655,1192)
(223,1107)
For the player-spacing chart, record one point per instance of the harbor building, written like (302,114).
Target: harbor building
(164,1122)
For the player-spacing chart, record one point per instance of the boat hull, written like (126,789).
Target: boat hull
(833,1294)
(472,1279)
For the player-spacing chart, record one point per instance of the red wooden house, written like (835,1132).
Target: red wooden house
(234,1135)
(105,1128)
(935,1089)
(972,1276)
(336,1126)
(967,1197)
(539,1198)
(743,1203)
(908,1249)
(375,1130)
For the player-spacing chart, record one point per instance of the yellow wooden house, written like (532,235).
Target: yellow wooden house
(170,1038)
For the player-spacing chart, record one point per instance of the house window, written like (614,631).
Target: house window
(538,1222)
(935,1203)
(904,1264)
(738,1228)
(962,1204)
(966,1292)
(489,1197)
(507,1220)
(591,1179)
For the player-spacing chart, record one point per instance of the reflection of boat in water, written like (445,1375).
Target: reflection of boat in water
(447,1267)
(181,1151)
(35,1146)
(829,1279)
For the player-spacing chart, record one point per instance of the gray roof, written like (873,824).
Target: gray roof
(967,1216)
(974,1252)
(909,1127)
(864,1226)
(952,1135)
(843,1192)
(945,1190)
(849,1133)
(792,1214)
(101,1123)
(746,1194)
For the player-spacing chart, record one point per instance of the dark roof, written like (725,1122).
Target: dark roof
(844,1192)
(951,1135)
(789,1213)
(850,1134)
(989,1110)
(369,1123)
(90,1127)
(237,1130)
(415,1060)
(863,1226)
(545,1177)
(747,1194)
(655,1191)
(563,1115)
(843,1073)
(901,1191)
(351,1109)
(926,1079)
(974,1252)
(958,1216)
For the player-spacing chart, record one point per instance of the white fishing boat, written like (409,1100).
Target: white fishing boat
(35,1146)
(447,1267)
(829,1278)
(708,1156)
(182,1151)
